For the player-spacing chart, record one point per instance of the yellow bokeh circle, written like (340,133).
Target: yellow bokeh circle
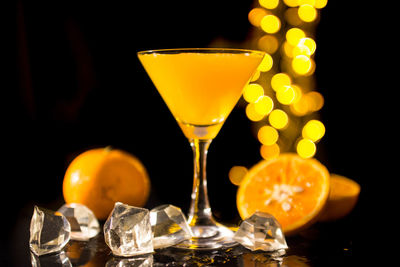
(252,114)
(287,49)
(280,80)
(307,13)
(292,17)
(264,105)
(300,107)
(255,16)
(320,3)
(269,4)
(270,24)
(267,135)
(302,64)
(266,64)
(291,3)
(309,43)
(278,119)
(315,100)
(236,174)
(252,92)
(269,152)
(286,96)
(306,2)
(294,35)
(268,43)
(306,148)
(313,130)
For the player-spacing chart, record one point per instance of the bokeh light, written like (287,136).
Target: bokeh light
(306,2)
(252,92)
(301,64)
(269,4)
(280,80)
(264,105)
(269,152)
(268,43)
(300,107)
(297,93)
(309,43)
(294,35)
(278,119)
(287,49)
(291,3)
(315,100)
(266,64)
(320,3)
(267,135)
(292,17)
(236,174)
(287,27)
(255,16)
(286,96)
(270,24)
(313,130)
(307,13)
(312,68)
(306,148)
(252,114)
(301,49)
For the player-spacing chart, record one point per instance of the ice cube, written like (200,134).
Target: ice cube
(127,231)
(53,260)
(84,224)
(137,261)
(261,231)
(49,231)
(169,226)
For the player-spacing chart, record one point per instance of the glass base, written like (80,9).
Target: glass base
(209,238)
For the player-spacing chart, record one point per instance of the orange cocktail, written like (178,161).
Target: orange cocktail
(200,89)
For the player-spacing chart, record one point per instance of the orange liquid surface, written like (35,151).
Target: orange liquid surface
(201,89)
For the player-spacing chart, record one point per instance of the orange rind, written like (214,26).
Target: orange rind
(342,198)
(100,177)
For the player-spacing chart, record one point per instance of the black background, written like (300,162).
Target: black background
(79,85)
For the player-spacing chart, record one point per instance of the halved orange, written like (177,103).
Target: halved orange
(342,198)
(293,189)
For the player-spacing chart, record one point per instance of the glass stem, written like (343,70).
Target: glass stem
(200,212)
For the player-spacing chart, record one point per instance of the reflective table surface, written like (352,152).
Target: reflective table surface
(323,244)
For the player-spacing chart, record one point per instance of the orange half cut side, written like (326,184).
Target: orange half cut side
(294,190)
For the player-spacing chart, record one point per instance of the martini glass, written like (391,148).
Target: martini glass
(200,87)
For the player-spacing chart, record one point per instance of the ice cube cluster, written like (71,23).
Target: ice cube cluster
(132,231)
(128,231)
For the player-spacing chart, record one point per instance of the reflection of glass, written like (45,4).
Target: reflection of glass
(142,261)
(80,253)
(201,87)
(59,259)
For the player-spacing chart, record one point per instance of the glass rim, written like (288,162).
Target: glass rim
(210,50)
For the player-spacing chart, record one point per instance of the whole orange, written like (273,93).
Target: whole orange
(100,177)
